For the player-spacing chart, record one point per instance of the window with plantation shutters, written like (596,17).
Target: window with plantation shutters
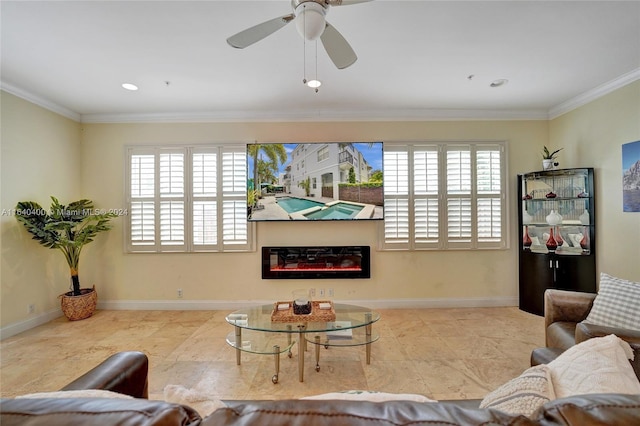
(444,196)
(187,199)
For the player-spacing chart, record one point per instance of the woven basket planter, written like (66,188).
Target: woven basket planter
(79,307)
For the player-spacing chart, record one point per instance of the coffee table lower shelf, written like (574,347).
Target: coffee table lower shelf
(263,334)
(261,344)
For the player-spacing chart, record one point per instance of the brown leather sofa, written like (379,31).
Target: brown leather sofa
(126,373)
(564,315)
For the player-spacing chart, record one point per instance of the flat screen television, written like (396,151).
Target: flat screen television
(315,181)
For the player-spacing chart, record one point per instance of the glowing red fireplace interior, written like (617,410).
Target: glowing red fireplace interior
(316,262)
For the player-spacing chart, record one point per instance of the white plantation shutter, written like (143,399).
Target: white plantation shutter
(205,229)
(141,193)
(172,223)
(454,198)
(205,206)
(489,186)
(234,206)
(172,200)
(458,195)
(425,191)
(396,198)
(188,199)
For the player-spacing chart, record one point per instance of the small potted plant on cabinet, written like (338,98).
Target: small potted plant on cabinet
(548,157)
(68,229)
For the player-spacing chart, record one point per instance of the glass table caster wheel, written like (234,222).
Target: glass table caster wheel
(289,354)
(317,368)
(274,379)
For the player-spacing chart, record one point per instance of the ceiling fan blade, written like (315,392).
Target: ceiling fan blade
(345,2)
(258,32)
(337,47)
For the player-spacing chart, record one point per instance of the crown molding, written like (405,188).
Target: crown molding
(331,115)
(319,116)
(40,101)
(593,94)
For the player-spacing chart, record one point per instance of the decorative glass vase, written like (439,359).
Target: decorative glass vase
(552,245)
(584,217)
(553,218)
(526,239)
(584,242)
(558,237)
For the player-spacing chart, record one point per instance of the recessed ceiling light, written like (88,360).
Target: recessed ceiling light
(314,84)
(129,86)
(499,82)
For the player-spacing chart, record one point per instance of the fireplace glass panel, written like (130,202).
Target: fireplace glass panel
(316,262)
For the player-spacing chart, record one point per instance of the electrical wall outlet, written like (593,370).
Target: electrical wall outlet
(179,293)
(312,292)
(321,292)
(31,308)
(330,292)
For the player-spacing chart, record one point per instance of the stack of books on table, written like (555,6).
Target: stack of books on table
(342,331)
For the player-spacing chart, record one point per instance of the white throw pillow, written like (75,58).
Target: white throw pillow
(372,396)
(598,365)
(83,393)
(201,402)
(617,304)
(523,394)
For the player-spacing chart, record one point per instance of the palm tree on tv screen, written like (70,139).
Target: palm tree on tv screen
(274,152)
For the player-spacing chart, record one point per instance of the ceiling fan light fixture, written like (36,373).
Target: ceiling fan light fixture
(314,84)
(310,20)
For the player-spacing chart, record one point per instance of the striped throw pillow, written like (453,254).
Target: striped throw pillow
(617,304)
(523,394)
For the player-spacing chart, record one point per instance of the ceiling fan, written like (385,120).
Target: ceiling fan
(311,24)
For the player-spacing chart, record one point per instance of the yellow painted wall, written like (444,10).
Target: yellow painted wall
(45,154)
(593,136)
(395,275)
(40,158)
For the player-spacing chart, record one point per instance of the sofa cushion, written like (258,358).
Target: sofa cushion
(594,409)
(598,365)
(85,393)
(616,304)
(299,412)
(93,411)
(523,394)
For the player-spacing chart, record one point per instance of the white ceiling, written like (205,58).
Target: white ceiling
(414,59)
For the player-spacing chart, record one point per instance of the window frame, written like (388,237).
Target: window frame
(443,242)
(189,246)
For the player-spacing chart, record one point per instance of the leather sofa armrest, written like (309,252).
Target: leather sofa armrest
(123,372)
(585,331)
(566,306)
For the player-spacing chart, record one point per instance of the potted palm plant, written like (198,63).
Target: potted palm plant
(68,229)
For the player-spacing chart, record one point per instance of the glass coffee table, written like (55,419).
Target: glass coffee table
(256,332)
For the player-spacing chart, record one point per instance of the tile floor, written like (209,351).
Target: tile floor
(440,353)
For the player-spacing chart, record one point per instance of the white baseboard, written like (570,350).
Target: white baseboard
(28,324)
(232,305)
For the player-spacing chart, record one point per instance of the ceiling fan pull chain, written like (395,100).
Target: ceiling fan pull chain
(304,49)
(317,64)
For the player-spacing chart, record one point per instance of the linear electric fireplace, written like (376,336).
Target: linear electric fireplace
(316,262)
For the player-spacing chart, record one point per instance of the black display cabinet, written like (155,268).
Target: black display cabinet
(557,235)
